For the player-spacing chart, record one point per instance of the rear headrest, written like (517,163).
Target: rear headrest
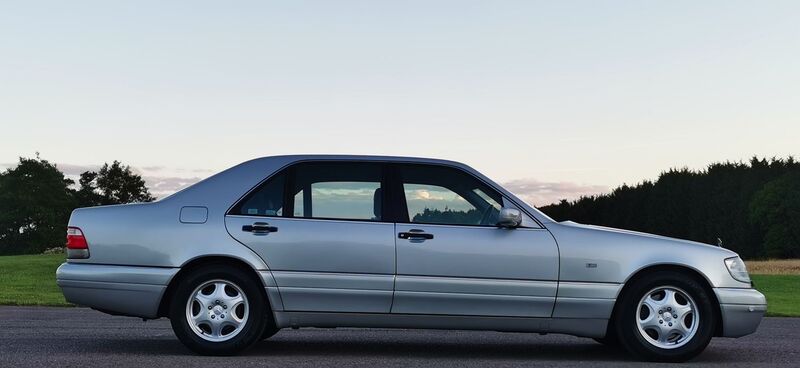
(376,203)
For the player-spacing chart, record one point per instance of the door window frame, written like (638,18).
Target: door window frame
(393,202)
(401,206)
(289,173)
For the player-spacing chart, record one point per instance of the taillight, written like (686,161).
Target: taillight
(77,247)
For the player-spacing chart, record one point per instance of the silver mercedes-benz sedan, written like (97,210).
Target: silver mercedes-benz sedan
(364,241)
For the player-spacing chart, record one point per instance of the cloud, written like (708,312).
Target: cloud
(76,170)
(159,185)
(535,192)
(153,168)
(68,169)
(541,193)
(162,186)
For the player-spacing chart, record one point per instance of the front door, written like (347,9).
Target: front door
(453,260)
(320,228)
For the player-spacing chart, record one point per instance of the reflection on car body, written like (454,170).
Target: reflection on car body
(368,241)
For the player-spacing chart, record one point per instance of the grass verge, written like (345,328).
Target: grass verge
(783,294)
(31,280)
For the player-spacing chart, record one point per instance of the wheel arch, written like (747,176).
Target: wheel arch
(164,304)
(685,269)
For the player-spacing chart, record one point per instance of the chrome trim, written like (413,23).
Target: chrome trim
(592,290)
(335,300)
(475,286)
(333,280)
(740,296)
(115,274)
(578,327)
(583,308)
(471,304)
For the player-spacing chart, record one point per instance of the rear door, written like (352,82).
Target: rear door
(320,228)
(453,260)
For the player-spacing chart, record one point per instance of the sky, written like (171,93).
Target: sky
(556,99)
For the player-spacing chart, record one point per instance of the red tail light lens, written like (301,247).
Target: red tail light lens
(75,239)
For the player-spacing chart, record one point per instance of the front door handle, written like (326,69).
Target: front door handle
(259,228)
(415,234)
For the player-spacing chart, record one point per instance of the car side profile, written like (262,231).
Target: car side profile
(394,242)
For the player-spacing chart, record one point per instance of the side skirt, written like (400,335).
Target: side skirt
(584,327)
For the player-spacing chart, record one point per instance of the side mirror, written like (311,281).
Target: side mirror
(509,218)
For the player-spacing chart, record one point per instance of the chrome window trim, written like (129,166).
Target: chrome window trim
(383,161)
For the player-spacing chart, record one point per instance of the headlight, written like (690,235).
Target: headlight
(737,269)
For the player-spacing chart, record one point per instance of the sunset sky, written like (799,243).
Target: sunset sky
(554,98)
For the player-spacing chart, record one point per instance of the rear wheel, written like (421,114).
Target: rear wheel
(218,310)
(665,316)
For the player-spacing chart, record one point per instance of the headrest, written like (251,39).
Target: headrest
(377,203)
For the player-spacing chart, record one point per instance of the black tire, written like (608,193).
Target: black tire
(254,326)
(269,331)
(610,341)
(626,324)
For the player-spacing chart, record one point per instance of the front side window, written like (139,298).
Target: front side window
(349,191)
(442,195)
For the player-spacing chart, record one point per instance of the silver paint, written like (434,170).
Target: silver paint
(353,273)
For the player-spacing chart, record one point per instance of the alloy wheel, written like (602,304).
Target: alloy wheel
(217,310)
(667,317)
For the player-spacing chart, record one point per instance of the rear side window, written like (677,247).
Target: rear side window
(267,200)
(348,191)
(320,190)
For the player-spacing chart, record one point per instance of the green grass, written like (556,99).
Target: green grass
(783,294)
(31,280)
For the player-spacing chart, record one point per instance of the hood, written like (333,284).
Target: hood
(638,234)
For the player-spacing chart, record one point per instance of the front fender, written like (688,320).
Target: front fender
(594,254)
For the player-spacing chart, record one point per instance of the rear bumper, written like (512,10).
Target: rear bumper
(742,310)
(126,290)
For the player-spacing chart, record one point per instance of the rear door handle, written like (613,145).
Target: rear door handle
(259,228)
(414,234)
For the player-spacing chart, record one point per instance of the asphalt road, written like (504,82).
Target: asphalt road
(78,337)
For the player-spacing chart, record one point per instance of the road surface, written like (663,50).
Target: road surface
(79,337)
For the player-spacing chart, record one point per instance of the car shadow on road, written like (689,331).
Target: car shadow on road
(402,347)
(331,348)
(440,350)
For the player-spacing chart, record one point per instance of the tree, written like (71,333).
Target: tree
(87,195)
(112,184)
(776,208)
(448,216)
(751,206)
(35,203)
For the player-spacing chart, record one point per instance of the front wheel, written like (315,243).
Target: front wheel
(218,310)
(665,316)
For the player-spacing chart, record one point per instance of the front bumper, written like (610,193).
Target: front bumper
(742,310)
(126,290)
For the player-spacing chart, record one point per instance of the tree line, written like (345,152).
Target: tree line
(753,207)
(36,200)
